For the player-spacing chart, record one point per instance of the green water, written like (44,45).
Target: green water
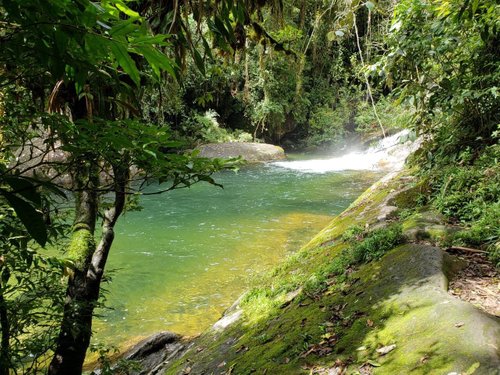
(182,260)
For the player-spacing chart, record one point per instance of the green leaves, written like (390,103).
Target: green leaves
(31,218)
(157,60)
(124,60)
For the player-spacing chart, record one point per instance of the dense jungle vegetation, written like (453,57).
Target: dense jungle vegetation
(93,91)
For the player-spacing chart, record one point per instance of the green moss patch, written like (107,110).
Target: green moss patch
(81,246)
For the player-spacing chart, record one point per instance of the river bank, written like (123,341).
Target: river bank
(322,312)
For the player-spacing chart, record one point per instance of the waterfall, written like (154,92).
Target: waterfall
(388,154)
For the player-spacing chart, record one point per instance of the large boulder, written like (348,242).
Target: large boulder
(251,152)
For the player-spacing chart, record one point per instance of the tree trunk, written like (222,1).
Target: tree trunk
(84,285)
(76,325)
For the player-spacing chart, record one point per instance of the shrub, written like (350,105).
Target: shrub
(376,244)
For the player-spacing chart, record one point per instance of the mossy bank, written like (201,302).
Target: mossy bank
(367,295)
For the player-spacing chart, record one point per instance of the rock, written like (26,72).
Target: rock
(227,320)
(411,282)
(155,352)
(251,152)
(427,226)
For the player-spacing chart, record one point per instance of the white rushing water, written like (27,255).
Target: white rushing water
(388,154)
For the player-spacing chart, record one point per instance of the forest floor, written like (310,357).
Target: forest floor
(477,283)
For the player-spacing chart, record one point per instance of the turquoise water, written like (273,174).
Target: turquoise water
(181,261)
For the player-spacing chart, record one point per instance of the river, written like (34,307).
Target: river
(178,263)
(181,261)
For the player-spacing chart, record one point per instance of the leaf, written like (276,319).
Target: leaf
(370,5)
(475,5)
(198,61)
(157,60)
(25,188)
(53,189)
(330,36)
(472,369)
(123,27)
(5,275)
(396,26)
(125,9)
(29,216)
(125,61)
(160,40)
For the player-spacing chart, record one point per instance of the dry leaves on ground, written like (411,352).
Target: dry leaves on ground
(478,283)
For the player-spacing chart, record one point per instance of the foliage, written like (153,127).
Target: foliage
(468,192)
(327,125)
(206,128)
(108,365)
(443,56)
(376,243)
(31,296)
(442,59)
(364,247)
(394,115)
(83,61)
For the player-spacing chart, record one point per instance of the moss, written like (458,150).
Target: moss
(411,197)
(395,300)
(81,246)
(428,225)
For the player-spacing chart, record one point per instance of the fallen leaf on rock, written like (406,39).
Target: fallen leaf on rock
(386,349)
(460,324)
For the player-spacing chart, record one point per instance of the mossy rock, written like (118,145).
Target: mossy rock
(404,298)
(409,197)
(427,225)
(433,331)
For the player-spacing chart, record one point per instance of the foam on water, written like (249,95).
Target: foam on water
(388,154)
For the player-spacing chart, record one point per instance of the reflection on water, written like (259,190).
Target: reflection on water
(180,262)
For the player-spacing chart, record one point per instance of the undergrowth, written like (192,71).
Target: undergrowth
(364,247)
(467,191)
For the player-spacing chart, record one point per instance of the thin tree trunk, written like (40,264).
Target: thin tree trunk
(246,85)
(76,325)
(84,287)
